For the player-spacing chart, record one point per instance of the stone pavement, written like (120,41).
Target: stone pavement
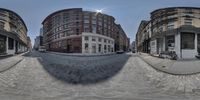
(9,62)
(175,67)
(136,80)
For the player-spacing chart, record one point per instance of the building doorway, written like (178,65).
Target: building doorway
(69,48)
(93,48)
(2,44)
(16,47)
(159,45)
(188,45)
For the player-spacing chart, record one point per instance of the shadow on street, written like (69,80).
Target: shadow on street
(85,71)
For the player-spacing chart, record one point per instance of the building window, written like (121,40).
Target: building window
(99,47)
(86,38)
(100,23)
(66,33)
(94,28)
(86,30)
(77,31)
(86,21)
(93,39)
(172,16)
(60,28)
(105,47)
(94,17)
(2,25)
(109,48)
(86,47)
(105,40)
(59,44)
(188,21)
(65,26)
(160,28)
(170,43)
(188,14)
(94,21)
(10,44)
(86,16)
(170,25)
(187,40)
(100,39)
(58,35)
(93,48)
(77,23)
(65,17)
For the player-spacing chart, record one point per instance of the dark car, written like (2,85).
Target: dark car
(120,52)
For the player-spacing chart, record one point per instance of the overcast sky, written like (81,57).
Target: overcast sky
(128,13)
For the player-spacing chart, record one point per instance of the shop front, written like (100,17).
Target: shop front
(2,44)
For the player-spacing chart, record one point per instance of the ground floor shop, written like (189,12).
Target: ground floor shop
(85,43)
(9,45)
(96,43)
(185,45)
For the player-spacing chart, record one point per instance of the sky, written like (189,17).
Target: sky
(128,13)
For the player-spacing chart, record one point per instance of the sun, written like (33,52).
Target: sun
(99,11)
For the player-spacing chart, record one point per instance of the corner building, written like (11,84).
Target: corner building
(13,33)
(171,29)
(77,31)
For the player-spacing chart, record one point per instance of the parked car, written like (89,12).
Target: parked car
(120,52)
(42,49)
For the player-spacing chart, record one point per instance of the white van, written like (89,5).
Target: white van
(42,49)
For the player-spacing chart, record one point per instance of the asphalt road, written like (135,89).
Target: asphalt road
(45,76)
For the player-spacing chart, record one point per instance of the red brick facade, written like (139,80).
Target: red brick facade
(63,29)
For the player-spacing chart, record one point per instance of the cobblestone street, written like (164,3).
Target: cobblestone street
(48,76)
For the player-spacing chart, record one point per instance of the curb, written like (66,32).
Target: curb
(62,54)
(157,69)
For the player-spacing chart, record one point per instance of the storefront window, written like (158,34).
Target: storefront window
(170,43)
(187,40)
(2,44)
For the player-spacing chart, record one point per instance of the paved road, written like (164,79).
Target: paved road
(44,76)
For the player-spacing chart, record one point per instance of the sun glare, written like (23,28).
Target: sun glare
(99,11)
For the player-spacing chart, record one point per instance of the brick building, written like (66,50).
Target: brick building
(77,31)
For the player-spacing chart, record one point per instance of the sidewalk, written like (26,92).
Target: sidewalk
(175,67)
(79,54)
(9,62)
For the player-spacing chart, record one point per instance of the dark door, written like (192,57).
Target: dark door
(158,45)
(69,48)
(2,44)
(16,47)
